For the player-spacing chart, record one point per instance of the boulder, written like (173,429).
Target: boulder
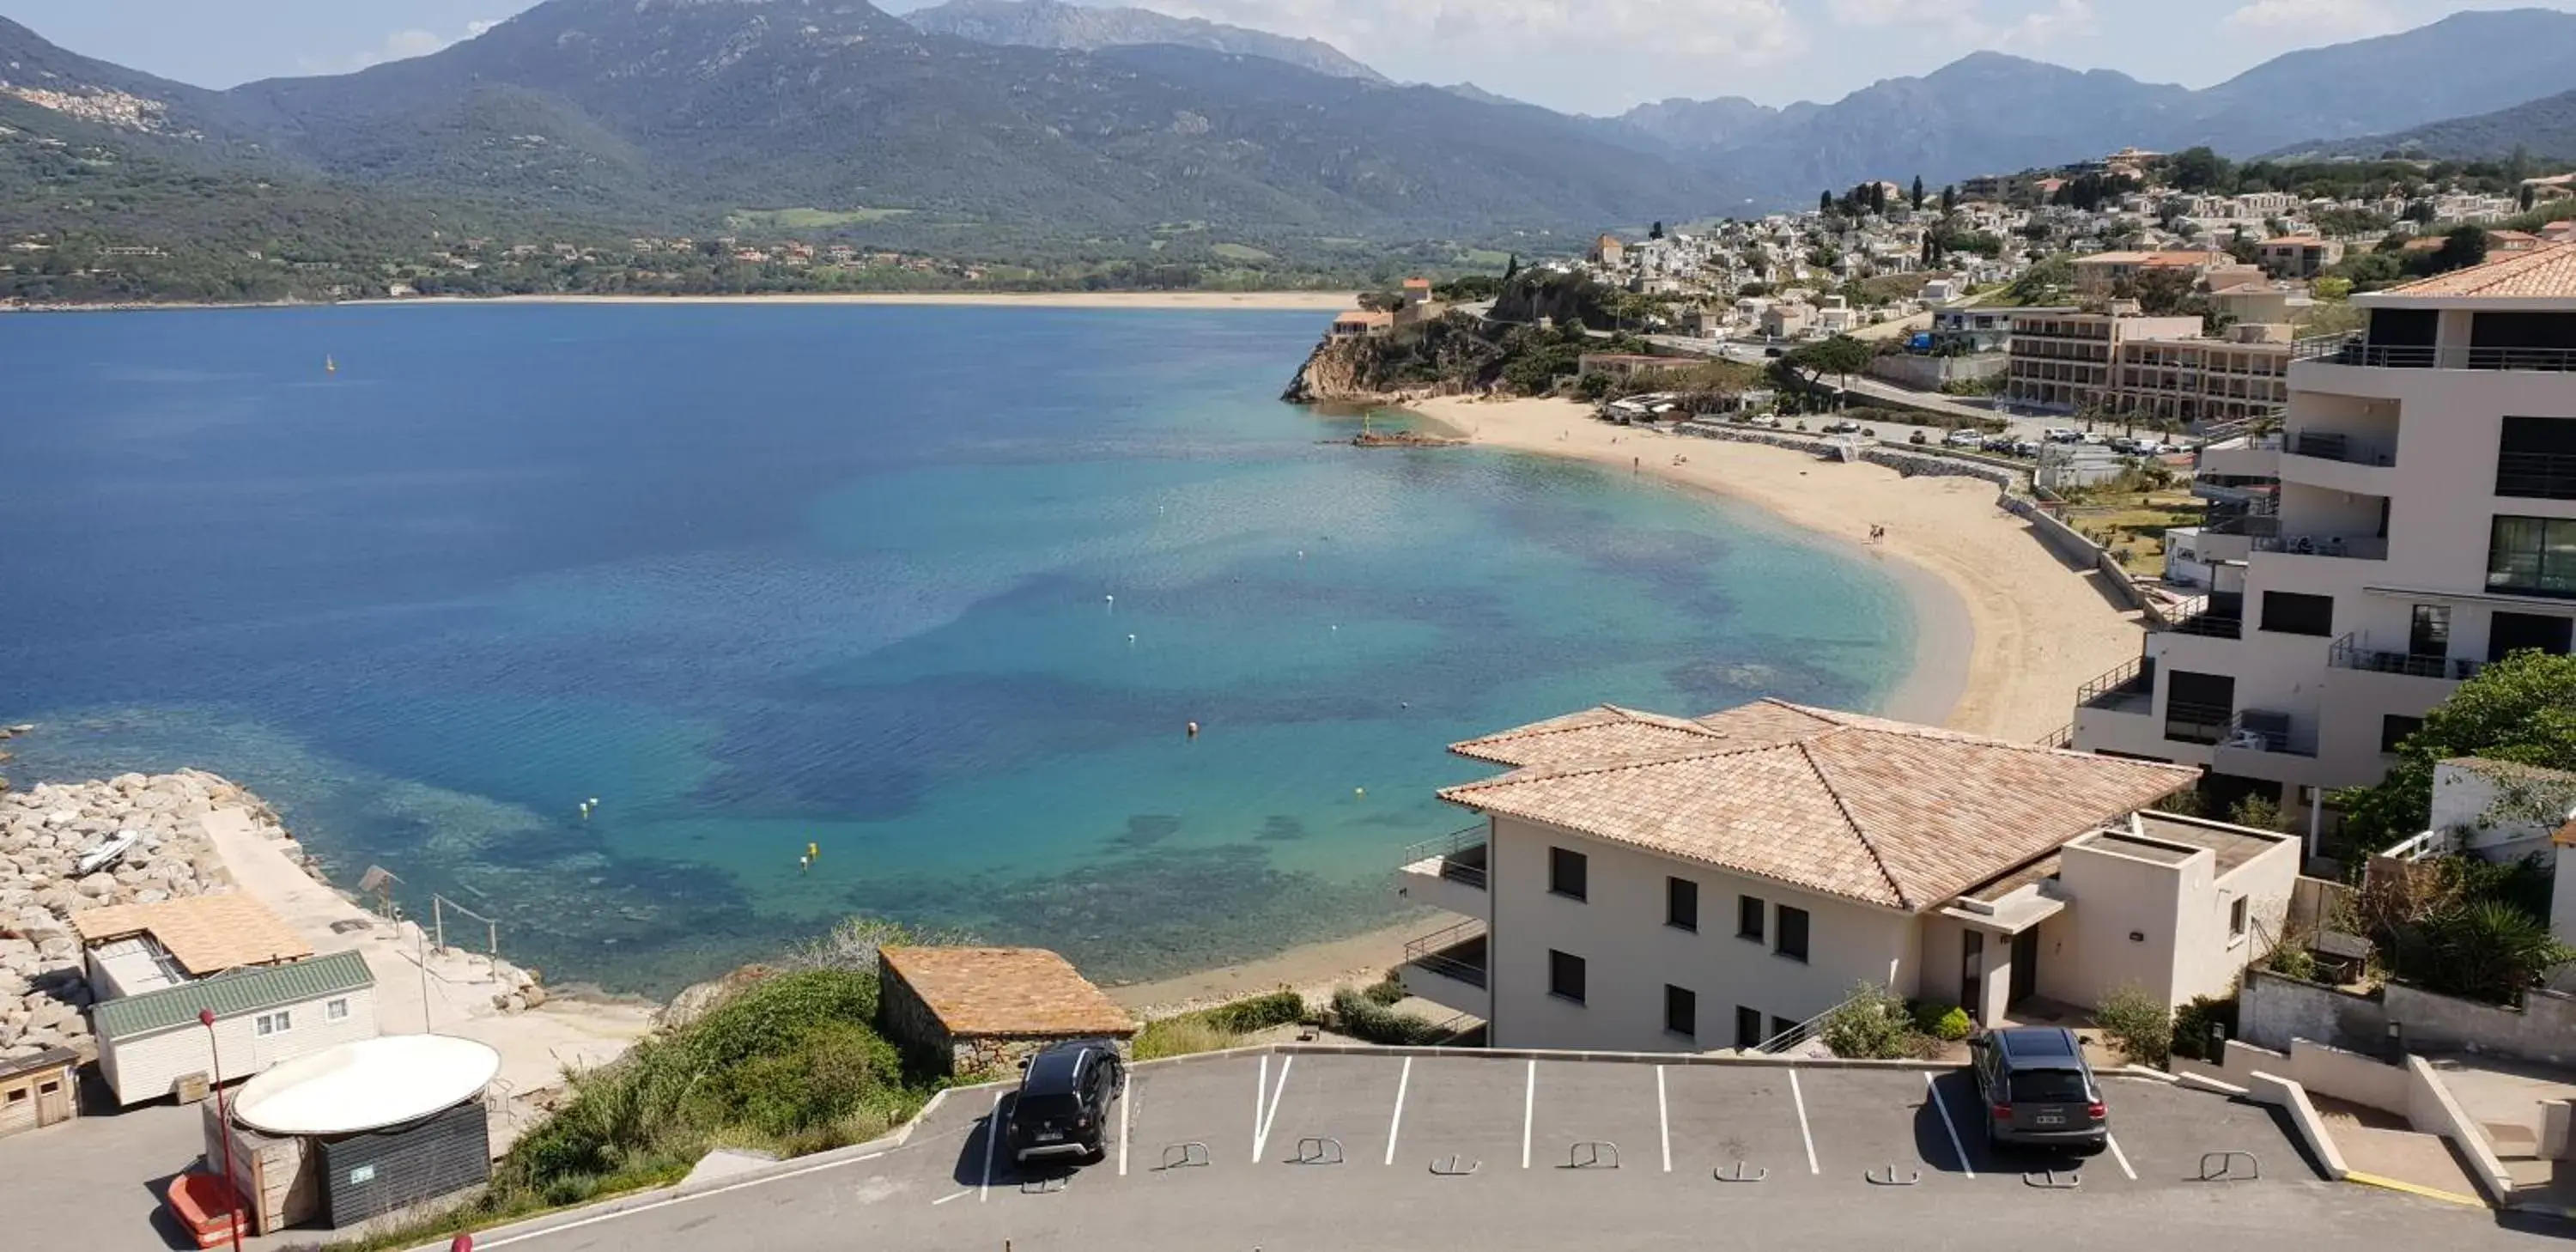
(96,886)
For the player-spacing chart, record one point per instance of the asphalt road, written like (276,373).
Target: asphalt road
(1379,1152)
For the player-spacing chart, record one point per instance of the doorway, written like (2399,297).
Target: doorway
(1972,974)
(2025,965)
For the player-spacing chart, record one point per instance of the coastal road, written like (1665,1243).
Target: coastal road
(1317,1150)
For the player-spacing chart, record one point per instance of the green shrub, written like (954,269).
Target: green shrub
(1185,1035)
(1261,1012)
(1872,1025)
(2193,1023)
(2139,1023)
(1356,1015)
(2292,960)
(1388,991)
(1946,1022)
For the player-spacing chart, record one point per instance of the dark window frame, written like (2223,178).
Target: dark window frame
(1559,964)
(1747,1015)
(1564,865)
(1749,913)
(2293,613)
(2393,730)
(1681,904)
(2535,572)
(1681,1004)
(1804,924)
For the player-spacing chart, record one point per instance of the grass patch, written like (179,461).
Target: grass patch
(1219,1028)
(1240,252)
(812,219)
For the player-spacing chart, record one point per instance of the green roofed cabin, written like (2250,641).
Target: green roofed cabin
(152,1044)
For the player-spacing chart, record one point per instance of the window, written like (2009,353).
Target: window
(2508,633)
(2533,556)
(1781,1027)
(2536,458)
(1748,918)
(1793,933)
(1565,976)
(1748,1027)
(1681,1011)
(2393,731)
(2198,706)
(336,1011)
(1681,904)
(2289,613)
(2429,634)
(2236,918)
(1567,873)
(276,1023)
(16,1094)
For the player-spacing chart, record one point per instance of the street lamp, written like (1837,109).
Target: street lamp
(223,1113)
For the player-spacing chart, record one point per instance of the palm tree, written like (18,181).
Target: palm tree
(2485,949)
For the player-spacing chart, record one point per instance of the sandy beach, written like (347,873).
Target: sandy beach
(2035,629)
(1312,970)
(1256,301)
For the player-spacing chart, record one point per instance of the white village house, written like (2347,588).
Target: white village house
(154,968)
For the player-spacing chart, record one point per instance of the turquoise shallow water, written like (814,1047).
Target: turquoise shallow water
(758,577)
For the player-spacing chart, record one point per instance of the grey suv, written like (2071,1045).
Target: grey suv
(2037,1090)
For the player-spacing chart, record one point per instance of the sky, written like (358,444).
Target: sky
(1596,56)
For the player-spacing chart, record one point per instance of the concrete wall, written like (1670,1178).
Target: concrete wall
(2071,545)
(2273,1010)
(2117,897)
(1630,955)
(2562,900)
(2348,1076)
(1929,373)
(2292,1097)
(2430,1108)
(2212,964)
(148,1067)
(1941,979)
(1905,459)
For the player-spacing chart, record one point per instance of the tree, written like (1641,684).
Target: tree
(2159,292)
(2463,247)
(1841,356)
(1918,191)
(2199,169)
(1878,198)
(2520,709)
(1824,202)
(1949,200)
(1512,267)
(2529,195)
(1656,231)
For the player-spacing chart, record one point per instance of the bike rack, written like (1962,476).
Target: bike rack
(1890,1178)
(1044,1186)
(1592,1154)
(1742,1173)
(1183,1155)
(2222,1167)
(1454,1166)
(1319,1150)
(2051,1180)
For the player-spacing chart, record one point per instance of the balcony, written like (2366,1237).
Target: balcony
(2268,745)
(2347,655)
(2347,547)
(1448,873)
(1448,968)
(2257,456)
(2358,351)
(2338,461)
(2128,689)
(2207,619)
(2536,475)
(2187,722)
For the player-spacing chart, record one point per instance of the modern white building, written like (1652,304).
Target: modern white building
(1650,883)
(2425,526)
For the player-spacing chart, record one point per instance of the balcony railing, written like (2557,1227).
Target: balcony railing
(2353,547)
(2187,722)
(2128,689)
(1456,953)
(2348,655)
(2536,475)
(2200,616)
(2250,525)
(2258,730)
(2411,356)
(2329,446)
(1461,853)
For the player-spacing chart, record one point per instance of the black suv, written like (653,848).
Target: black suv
(1063,1102)
(2037,1089)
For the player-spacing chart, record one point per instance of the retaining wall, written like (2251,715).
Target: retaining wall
(2349,1076)
(2430,1108)
(2273,1010)
(1905,459)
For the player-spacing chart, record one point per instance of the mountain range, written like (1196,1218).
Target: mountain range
(980,126)
(2545,127)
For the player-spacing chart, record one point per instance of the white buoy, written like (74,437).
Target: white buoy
(594,802)
(1301,554)
(1131,641)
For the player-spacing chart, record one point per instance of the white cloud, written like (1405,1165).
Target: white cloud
(2341,19)
(1879,12)
(2033,32)
(402,45)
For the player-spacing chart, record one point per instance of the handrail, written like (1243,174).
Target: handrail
(2536,475)
(1431,952)
(2347,654)
(2350,547)
(2123,680)
(2286,741)
(1806,1030)
(1450,850)
(2358,350)
(2062,737)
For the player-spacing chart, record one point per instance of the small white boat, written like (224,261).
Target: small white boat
(106,854)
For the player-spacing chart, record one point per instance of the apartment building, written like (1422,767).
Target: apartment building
(2425,525)
(1639,882)
(2066,360)
(2193,380)
(2098,276)
(2299,256)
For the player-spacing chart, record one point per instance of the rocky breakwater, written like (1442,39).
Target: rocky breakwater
(45,832)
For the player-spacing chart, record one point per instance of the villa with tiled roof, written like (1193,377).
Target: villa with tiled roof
(1644,882)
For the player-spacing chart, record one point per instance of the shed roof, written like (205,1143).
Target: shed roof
(1006,991)
(1883,812)
(50,1058)
(205,934)
(250,990)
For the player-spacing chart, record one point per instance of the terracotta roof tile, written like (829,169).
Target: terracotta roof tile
(2547,273)
(205,934)
(1007,991)
(1860,807)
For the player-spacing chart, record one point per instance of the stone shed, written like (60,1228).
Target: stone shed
(981,1010)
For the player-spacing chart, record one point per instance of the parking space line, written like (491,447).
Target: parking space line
(1126,1096)
(1260,1091)
(992,1131)
(1396,1123)
(1529,1109)
(1932,1091)
(954,1195)
(2120,1156)
(1801,1098)
(1261,1138)
(1664,1119)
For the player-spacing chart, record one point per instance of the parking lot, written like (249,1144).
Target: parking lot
(1322,1150)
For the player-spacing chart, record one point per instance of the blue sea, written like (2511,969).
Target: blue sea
(934,590)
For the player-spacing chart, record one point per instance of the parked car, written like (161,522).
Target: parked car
(1765,421)
(1999,443)
(2061,434)
(1062,1107)
(2036,1089)
(1917,437)
(1965,438)
(1842,428)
